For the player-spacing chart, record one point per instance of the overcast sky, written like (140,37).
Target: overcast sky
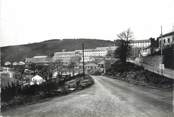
(27,21)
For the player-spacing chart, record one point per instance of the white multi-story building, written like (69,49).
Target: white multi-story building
(166,39)
(65,57)
(89,54)
(140,43)
(38,60)
(112,48)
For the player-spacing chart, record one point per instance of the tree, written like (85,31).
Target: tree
(74,61)
(71,66)
(110,53)
(123,50)
(58,66)
(154,44)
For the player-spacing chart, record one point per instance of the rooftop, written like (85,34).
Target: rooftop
(140,41)
(167,34)
(39,56)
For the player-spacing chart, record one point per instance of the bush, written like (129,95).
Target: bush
(169,57)
(120,67)
(137,75)
(15,94)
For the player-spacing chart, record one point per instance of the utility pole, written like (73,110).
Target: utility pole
(83,60)
(161,41)
(104,65)
(161,65)
(161,30)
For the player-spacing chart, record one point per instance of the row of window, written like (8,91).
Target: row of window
(167,40)
(140,44)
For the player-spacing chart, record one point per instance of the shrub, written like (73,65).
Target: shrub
(169,57)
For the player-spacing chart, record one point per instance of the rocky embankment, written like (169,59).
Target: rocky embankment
(137,75)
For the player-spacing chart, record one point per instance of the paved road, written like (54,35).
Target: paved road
(106,98)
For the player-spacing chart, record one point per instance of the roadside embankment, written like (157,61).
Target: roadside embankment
(138,75)
(15,95)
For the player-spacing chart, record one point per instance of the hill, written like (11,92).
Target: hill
(20,52)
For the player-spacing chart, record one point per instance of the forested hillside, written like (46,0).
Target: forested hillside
(20,52)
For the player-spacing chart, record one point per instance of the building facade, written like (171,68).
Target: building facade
(140,47)
(140,43)
(166,39)
(38,60)
(64,56)
(89,54)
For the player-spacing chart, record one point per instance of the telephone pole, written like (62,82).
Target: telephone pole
(161,44)
(83,60)
(161,41)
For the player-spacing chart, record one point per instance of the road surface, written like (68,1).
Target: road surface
(106,98)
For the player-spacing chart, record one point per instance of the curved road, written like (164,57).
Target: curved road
(106,98)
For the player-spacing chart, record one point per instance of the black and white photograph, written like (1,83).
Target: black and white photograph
(87,58)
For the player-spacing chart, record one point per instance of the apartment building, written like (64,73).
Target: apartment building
(38,60)
(65,56)
(89,54)
(140,43)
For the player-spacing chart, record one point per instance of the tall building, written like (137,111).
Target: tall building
(89,54)
(138,47)
(140,43)
(38,60)
(64,56)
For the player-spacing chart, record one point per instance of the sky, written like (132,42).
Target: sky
(28,21)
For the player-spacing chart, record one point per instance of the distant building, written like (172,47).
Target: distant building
(37,57)
(136,43)
(64,56)
(37,80)
(112,48)
(137,46)
(145,51)
(7,63)
(166,39)
(21,63)
(14,63)
(38,60)
(89,68)
(106,64)
(140,47)
(6,73)
(89,54)
(140,43)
